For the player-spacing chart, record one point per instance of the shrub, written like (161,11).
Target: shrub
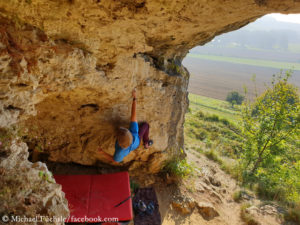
(224,121)
(200,114)
(213,118)
(178,167)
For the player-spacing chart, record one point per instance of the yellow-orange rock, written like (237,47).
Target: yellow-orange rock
(67,68)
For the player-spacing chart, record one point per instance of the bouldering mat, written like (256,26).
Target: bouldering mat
(96,198)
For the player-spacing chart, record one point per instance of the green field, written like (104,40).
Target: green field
(251,62)
(214,106)
(211,124)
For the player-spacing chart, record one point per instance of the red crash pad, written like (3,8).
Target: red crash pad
(93,198)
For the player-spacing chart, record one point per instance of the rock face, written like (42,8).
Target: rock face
(28,190)
(67,69)
(70,107)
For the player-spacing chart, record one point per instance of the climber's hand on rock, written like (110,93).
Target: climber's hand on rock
(134,93)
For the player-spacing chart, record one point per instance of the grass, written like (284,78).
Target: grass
(251,62)
(229,167)
(293,214)
(211,124)
(212,155)
(214,135)
(214,106)
(246,217)
(237,196)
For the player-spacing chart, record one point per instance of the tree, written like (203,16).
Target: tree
(270,127)
(271,119)
(234,98)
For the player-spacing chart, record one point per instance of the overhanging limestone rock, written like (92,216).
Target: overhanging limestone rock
(68,67)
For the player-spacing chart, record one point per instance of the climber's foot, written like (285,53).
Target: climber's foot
(148,144)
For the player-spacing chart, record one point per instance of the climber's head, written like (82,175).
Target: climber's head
(124,137)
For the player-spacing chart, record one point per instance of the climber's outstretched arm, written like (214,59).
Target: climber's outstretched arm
(108,157)
(133,108)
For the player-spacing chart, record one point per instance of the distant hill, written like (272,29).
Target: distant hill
(269,23)
(266,39)
(265,34)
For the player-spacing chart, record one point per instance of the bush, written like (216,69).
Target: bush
(178,168)
(212,118)
(234,98)
(224,121)
(200,114)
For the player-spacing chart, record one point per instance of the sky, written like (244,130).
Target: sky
(293,18)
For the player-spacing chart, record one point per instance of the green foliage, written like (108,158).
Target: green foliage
(213,118)
(234,98)
(133,186)
(47,176)
(172,67)
(270,155)
(178,168)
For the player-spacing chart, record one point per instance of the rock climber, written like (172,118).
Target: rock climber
(129,140)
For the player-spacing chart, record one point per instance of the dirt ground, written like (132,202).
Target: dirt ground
(228,209)
(220,197)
